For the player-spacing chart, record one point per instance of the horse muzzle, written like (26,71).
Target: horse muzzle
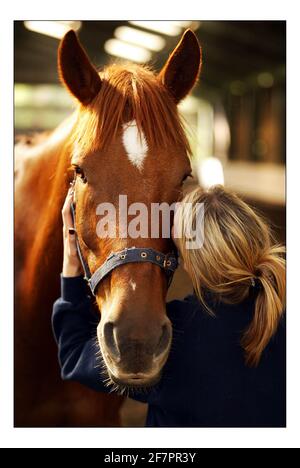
(133,356)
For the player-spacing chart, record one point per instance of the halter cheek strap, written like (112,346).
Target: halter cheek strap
(168,262)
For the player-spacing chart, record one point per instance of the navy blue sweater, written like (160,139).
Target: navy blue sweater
(205,382)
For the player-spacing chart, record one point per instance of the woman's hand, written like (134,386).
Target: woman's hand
(71,265)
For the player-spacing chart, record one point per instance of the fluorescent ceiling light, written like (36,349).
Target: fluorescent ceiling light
(141,38)
(128,51)
(183,24)
(193,25)
(169,28)
(55,29)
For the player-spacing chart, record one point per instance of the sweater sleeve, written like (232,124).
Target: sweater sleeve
(74,324)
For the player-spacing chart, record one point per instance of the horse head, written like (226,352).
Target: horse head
(128,140)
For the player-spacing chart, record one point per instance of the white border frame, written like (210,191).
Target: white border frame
(146,437)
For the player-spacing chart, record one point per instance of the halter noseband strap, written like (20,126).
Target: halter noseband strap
(168,262)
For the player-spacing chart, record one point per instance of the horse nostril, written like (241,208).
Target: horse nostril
(110,340)
(164,340)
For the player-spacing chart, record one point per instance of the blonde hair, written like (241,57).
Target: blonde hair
(238,251)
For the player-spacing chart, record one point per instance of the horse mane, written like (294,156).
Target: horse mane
(129,92)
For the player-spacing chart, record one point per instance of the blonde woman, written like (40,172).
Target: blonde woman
(227,364)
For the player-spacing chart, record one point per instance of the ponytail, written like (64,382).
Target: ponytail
(238,253)
(269,306)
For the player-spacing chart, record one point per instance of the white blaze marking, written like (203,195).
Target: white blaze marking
(135,144)
(133,285)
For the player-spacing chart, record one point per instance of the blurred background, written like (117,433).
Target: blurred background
(235,116)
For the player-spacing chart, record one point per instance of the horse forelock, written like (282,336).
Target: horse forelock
(129,93)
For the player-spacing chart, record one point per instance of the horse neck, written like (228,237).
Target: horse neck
(43,253)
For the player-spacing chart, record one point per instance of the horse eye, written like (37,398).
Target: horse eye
(80,173)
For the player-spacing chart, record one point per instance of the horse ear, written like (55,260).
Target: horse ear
(76,71)
(180,73)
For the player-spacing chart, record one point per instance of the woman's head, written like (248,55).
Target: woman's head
(237,252)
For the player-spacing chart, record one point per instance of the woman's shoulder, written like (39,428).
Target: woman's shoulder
(190,309)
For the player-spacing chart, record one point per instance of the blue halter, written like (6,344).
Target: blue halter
(167,262)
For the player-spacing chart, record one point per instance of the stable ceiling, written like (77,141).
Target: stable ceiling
(232,50)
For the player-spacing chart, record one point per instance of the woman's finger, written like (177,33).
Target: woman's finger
(71,264)
(68,200)
(72,245)
(66,211)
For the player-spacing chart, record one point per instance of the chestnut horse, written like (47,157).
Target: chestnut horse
(125,137)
